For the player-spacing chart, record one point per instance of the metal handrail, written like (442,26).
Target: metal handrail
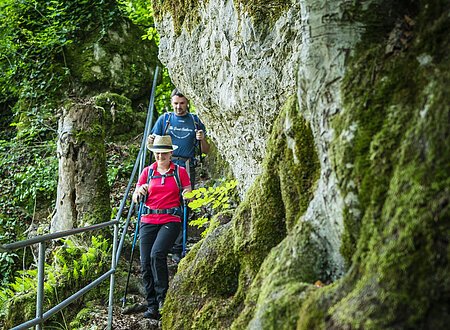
(48,237)
(41,240)
(117,246)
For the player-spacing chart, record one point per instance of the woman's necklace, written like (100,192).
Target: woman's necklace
(163,170)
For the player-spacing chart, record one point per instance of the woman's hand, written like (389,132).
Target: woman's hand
(186,190)
(139,193)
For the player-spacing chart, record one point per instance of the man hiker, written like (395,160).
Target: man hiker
(187,132)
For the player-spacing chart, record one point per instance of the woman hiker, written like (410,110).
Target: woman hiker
(160,219)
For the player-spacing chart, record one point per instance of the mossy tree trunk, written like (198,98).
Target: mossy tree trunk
(83,191)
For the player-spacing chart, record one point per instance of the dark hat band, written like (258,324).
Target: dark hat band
(161,147)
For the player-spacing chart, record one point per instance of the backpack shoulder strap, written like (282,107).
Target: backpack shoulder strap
(196,120)
(167,117)
(176,173)
(177,179)
(150,174)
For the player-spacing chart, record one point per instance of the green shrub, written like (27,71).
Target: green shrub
(210,201)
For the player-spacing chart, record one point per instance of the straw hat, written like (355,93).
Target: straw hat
(161,144)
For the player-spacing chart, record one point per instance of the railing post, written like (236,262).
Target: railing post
(40,284)
(111,282)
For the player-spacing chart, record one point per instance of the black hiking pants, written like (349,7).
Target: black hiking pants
(155,243)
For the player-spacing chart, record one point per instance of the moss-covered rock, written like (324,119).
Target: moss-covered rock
(274,297)
(111,62)
(118,115)
(397,164)
(216,166)
(275,294)
(388,149)
(111,68)
(206,279)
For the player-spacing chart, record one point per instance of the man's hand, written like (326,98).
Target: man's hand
(199,134)
(139,193)
(204,145)
(150,139)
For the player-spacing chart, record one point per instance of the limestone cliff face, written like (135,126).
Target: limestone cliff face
(236,77)
(239,77)
(305,102)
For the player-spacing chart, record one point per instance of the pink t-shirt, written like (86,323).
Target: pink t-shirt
(163,196)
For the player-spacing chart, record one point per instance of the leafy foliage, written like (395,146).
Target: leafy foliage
(140,13)
(163,91)
(28,176)
(35,71)
(73,266)
(7,261)
(33,38)
(211,201)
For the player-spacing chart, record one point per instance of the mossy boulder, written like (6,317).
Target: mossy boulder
(109,61)
(206,277)
(118,113)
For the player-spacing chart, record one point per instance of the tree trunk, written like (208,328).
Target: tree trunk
(83,191)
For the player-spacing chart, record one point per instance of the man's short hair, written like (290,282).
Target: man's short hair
(176,92)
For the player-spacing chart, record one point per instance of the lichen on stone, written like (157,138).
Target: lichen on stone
(186,13)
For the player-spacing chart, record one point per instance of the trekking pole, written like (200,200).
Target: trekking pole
(183,252)
(167,125)
(136,233)
(142,155)
(198,142)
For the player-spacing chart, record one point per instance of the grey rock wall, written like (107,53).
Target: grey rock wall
(239,77)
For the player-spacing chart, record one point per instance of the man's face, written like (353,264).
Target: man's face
(179,105)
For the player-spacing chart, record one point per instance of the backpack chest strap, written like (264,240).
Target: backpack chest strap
(162,176)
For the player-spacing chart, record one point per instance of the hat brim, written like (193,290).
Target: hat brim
(162,148)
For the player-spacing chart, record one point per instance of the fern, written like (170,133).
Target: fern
(73,266)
